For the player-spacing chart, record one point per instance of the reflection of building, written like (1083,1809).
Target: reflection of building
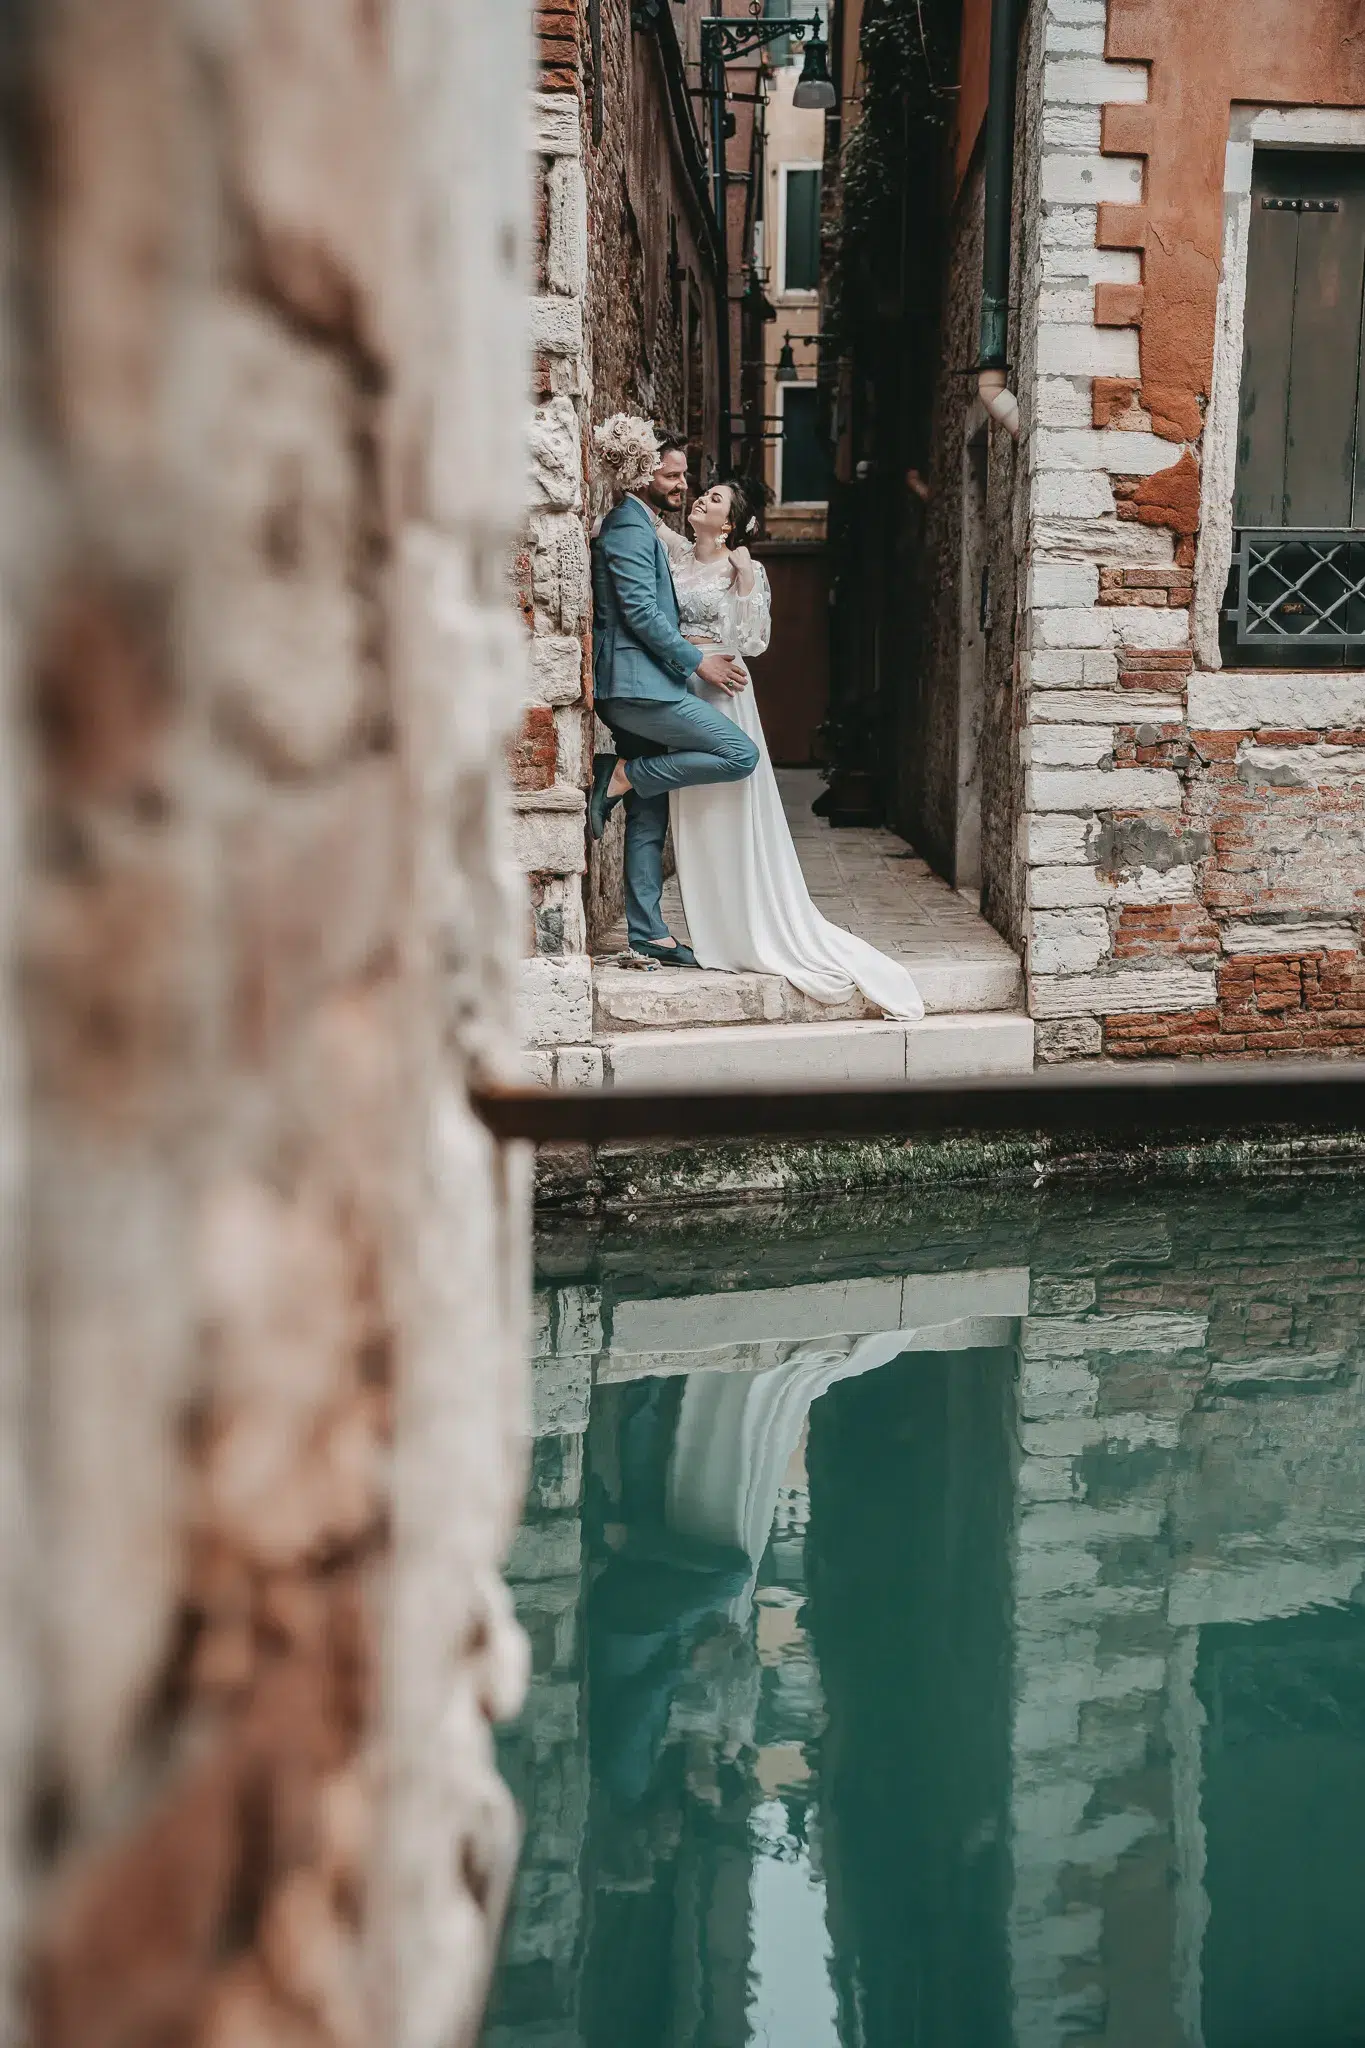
(1041,1713)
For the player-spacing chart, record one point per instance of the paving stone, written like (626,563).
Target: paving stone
(822,1055)
(869,882)
(758,1055)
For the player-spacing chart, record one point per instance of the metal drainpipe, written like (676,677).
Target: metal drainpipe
(720,191)
(992,383)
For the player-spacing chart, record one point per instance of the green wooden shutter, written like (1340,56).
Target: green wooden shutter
(801,260)
(1299,456)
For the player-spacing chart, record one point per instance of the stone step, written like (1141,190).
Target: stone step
(771,1054)
(628,999)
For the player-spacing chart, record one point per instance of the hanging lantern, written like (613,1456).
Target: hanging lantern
(815,88)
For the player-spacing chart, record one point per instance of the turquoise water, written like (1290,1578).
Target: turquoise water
(948,1627)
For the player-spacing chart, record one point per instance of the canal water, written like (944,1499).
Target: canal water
(948,1622)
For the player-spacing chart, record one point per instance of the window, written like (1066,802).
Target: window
(1297,592)
(780,49)
(803,456)
(800,228)
(784,50)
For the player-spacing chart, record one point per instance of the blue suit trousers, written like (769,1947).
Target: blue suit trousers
(672,744)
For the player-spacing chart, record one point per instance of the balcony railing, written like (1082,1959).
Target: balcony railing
(1297,584)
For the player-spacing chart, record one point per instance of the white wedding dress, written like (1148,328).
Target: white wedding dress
(745,897)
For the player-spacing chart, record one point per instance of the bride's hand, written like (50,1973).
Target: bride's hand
(742,568)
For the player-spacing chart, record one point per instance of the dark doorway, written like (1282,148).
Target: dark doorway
(805,448)
(791,681)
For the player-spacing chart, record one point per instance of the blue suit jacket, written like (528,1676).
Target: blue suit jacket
(637,650)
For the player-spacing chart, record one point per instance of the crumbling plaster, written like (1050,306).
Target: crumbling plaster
(1203,62)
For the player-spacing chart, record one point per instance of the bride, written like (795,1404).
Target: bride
(743,891)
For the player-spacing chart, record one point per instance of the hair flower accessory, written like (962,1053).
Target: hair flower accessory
(628,449)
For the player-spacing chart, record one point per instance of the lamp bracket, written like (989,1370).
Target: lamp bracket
(724,41)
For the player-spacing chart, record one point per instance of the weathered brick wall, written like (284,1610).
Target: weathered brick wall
(550,760)
(259,674)
(1274,818)
(18,1715)
(618,262)
(1190,845)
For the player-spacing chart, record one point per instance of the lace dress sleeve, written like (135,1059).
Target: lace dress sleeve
(752,615)
(676,545)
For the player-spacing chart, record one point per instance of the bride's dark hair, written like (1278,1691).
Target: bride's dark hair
(744,504)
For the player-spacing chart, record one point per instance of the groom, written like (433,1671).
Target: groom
(666,737)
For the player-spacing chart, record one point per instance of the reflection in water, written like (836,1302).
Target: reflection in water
(992,1680)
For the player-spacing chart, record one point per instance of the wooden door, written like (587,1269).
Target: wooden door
(791,681)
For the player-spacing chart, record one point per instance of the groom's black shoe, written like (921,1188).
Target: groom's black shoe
(600,805)
(676,955)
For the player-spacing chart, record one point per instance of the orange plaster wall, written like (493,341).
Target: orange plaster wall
(974,80)
(1204,56)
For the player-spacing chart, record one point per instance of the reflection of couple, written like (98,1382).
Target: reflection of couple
(700,1466)
(674,621)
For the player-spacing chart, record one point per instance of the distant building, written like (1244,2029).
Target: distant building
(787,257)
(1128,699)
(792,681)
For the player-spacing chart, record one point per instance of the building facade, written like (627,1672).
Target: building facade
(1136,679)
(792,680)
(661,211)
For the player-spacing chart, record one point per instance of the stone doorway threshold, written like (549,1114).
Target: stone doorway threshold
(688,1028)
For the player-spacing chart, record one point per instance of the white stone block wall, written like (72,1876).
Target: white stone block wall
(1103,626)
(550,819)
(1190,843)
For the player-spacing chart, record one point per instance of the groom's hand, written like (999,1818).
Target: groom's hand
(722,672)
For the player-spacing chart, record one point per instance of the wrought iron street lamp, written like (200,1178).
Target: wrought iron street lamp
(815,87)
(786,371)
(723,41)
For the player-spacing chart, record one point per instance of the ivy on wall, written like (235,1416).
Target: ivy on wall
(907,75)
(884,242)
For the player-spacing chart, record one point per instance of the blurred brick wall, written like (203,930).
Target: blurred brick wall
(263,1370)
